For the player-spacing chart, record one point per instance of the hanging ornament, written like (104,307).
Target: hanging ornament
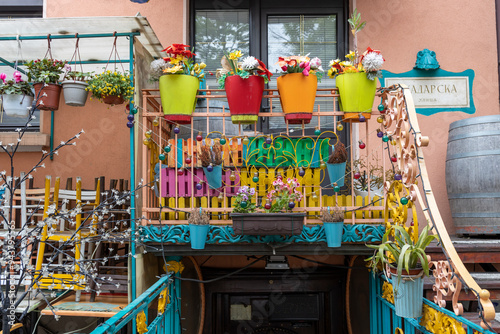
(380,119)
(156,121)
(148,134)
(130,117)
(221,197)
(130,125)
(255,177)
(188,160)
(340,127)
(146,141)
(302,172)
(232,176)
(199,137)
(381,108)
(180,171)
(314,197)
(357,175)
(177,130)
(269,140)
(161,157)
(361,144)
(245,141)
(336,187)
(394,158)
(210,168)
(393,142)
(380,134)
(291,204)
(322,165)
(243,204)
(385,138)
(362,118)
(398,176)
(317,132)
(278,176)
(167,148)
(199,185)
(223,141)
(267,206)
(404,200)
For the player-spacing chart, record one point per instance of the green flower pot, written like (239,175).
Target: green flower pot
(178,97)
(357,94)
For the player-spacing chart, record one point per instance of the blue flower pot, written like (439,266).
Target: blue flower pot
(336,172)
(408,296)
(198,235)
(214,178)
(333,232)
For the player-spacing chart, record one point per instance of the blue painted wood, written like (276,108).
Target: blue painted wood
(225,234)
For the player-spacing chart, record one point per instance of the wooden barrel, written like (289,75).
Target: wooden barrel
(473,175)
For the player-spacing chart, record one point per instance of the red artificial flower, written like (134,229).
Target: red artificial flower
(176,48)
(262,70)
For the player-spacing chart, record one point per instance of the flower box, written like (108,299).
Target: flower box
(268,223)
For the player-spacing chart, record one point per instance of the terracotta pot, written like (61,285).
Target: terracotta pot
(357,94)
(112,99)
(178,97)
(268,223)
(51,101)
(297,96)
(244,97)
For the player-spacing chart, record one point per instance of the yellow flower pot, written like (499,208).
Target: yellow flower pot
(357,94)
(178,97)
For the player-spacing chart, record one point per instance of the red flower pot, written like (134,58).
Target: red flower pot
(244,97)
(51,100)
(113,99)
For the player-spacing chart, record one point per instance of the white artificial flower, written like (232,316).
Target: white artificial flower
(373,62)
(315,64)
(249,63)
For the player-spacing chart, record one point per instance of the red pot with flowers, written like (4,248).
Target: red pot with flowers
(45,73)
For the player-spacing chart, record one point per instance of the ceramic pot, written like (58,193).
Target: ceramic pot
(178,97)
(297,96)
(244,97)
(357,94)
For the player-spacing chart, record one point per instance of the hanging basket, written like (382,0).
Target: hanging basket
(113,99)
(75,94)
(214,178)
(178,97)
(244,97)
(198,234)
(287,223)
(51,100)
(297,96)
(408,293)
(336,172)
(333,232)
(16,105)
(357,94)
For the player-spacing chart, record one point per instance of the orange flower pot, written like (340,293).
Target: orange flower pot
(51,100)
(297,96)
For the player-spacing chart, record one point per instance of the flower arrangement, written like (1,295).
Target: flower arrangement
(111,83)
(370,61)
(242,203)
(180,61)
(77,76)
(15,86)
(45,70)
(156,69)
(249,66)
(284,195)
(301,64)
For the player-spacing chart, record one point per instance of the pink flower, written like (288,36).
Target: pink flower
(3,76)
(302,65)
(17,76)
(305,72)
(284,68)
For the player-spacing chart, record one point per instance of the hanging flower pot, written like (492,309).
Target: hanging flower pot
(178,97)
(244,97)
(336,172)
(47,96)
(333,232)
(112,99)
(297,96)
(17,105)
(198,235)
(214,176)
(357,94)
(75,93)
(408,293)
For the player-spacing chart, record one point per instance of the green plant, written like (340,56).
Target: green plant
(199,217)
(111,84)
(15,86)
(45,70)
(336,214)
(77,76)
(249,66)
(284,195)
(242,200)
(401,251)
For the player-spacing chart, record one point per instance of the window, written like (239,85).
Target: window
(267,30)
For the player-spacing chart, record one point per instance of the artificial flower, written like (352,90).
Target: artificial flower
(235,55)
(249,63)
(250,66)
(3,76)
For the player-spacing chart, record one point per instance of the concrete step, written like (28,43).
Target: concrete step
(474,317)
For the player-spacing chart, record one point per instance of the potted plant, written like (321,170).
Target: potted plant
(355,77)
(333,223)
(211,161)
(242,202)
(375,173)
(111,87)
(406,263)
(45,73)
(179,84)
(17,96)
(278,218)
(297,87)
(74,87)
(244,84)
(199,225)
(336,164)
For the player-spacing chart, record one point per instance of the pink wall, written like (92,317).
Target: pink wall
(463,35)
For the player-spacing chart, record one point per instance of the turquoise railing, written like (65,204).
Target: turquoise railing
(167,320)
(435,319)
